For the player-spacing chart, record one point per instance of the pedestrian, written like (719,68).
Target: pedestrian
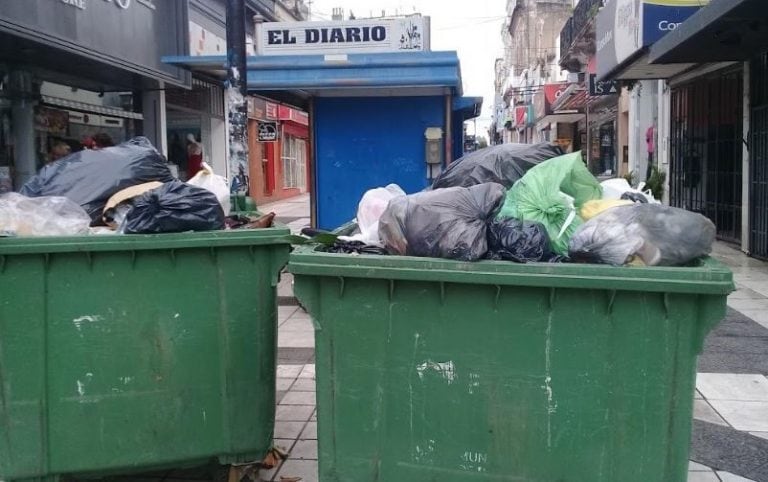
(194,156)
(650,142)
(59,150)
(102,140)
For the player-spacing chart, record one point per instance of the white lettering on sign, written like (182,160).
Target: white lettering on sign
(75,3)
(410,34)
(666,26)
(126,4)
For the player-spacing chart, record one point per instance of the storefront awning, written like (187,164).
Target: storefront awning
(417,73)
(561,118)
(83,107)
(725,30)
(467,107)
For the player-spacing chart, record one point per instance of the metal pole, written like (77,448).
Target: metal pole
(237,104)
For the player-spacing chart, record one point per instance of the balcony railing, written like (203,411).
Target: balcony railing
(584,12)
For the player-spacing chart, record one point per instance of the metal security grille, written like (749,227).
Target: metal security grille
(204,97)
(758,166)
(706,150)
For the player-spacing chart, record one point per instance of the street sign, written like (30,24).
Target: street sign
(267,132)
(602,87)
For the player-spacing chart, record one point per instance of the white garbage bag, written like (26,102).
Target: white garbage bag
(218,185)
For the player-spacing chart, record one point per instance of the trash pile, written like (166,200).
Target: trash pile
(124,189)
(526,203)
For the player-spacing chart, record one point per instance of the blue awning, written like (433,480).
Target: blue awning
(467,107)
(725,30)
(410,73)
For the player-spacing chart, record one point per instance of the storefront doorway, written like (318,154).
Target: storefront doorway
(707,148)
(758,170)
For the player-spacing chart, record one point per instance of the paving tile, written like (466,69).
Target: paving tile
(729,477)
(299,398)
(298,324)
(745,416)
(284,313)
(728,386)
(288,371)
(304,385)
(310,431)
(294,413)
(314,417)
(703,411)
(308,371)
(304,450)
(284,444)
(702,477)
(756,434)
(306,469)
(744,293)
(288,430)
(759,316)
(283,384)
(749,305)
(296,339)
(697,467)
(697,395)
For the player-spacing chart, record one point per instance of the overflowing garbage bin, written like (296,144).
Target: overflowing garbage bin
(121,354)
(434,369)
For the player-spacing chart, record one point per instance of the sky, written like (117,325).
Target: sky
(475,33)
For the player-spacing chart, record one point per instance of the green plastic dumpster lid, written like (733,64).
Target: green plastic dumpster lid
(707,276)
(102,243)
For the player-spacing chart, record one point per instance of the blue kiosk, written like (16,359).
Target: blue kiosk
(376,118)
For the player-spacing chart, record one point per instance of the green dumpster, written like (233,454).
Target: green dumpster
(121,354)
(436,370)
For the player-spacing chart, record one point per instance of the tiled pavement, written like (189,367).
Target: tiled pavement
(731,406)
(293,212)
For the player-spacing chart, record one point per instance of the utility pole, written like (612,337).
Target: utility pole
(237,104)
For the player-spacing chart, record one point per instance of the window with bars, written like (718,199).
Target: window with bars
(758,153)
(294,157)
(706,150)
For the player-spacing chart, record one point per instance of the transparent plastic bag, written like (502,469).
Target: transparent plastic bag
(619,188)
(41,216)
(372,205)
(218,185)
(644,234)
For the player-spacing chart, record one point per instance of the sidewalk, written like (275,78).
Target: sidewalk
(730,437)
(293,212)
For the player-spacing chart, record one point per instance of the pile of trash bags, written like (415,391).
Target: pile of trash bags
(126,189)
(529,203)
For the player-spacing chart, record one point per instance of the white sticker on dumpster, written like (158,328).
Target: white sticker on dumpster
(445,370)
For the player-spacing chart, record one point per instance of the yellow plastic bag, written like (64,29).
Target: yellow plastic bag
(595,207)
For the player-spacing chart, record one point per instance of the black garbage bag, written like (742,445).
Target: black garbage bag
(445,223)
(90,178)
(520,241)
(175,207)
(503,164)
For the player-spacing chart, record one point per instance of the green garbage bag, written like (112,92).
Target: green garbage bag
(551,193)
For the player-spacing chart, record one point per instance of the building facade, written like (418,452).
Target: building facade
(529,36)
(66,75)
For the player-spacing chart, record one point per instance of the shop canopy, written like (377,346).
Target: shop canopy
(365,75)
(725,30)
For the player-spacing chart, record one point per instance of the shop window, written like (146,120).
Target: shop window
(294,157)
